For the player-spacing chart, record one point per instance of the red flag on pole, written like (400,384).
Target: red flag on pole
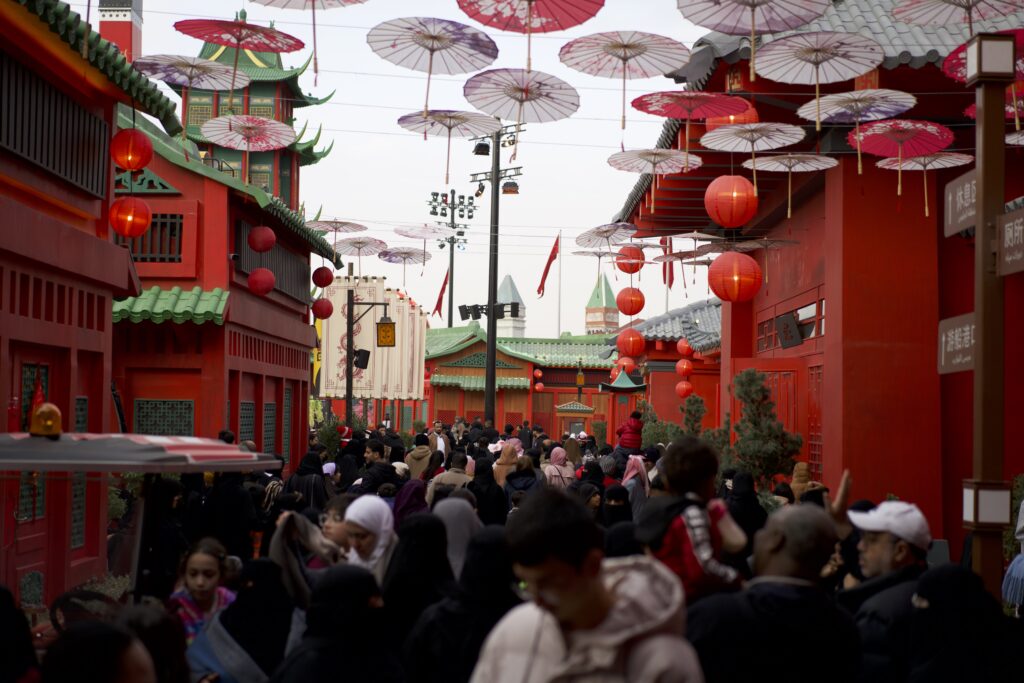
(668,271)
(547,268)
(440,297)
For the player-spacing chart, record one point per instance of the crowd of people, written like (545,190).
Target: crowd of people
(487,556)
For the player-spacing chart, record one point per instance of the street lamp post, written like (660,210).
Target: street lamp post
(385,337)
(441,203)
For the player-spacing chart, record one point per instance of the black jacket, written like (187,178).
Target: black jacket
(526,436)
(374,476)
(520,481)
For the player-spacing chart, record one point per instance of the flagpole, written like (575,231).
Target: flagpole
(559,283)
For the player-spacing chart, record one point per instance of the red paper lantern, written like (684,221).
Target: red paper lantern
(730,200)
(131,149)
(630,259)
(261,239)
(630,343)
(615,372)
(322,309)
(538,374)
(626,364)
(130,217)
(683,389)
(323,276)
(734,277)
(684,348)
(539,386)
(630,301)
(748,116)
(261,281)
(684,368)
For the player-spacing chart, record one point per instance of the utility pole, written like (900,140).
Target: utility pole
(441,203)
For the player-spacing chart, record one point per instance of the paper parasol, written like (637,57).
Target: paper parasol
(689,104)
(857,107)
(531,16)
(790,163)
(765,244)
(753,138)
(624,54)
(924,164)
(944,12)
(606,235)
(902,138)
(424,232)
(819,57)
(239,36)
(405,256)
(656,161)
(312,5)
(364,245)
(432,45)
(1015,139)
(461,124)
(1013,104)
(750,17)
(336,227)
(249,133)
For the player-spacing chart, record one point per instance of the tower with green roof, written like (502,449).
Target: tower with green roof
(602,311)
(273,93)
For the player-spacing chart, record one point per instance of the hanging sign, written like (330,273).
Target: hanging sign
(1010,243)
(961,203)
(956,344)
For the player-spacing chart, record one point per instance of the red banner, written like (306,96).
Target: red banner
(547,268)
(440,297)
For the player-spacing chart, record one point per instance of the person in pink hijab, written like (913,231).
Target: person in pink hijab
(516,444)
(636,482)
(559,473)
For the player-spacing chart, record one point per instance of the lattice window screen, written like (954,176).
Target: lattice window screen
(31,489)
(77,510)
(81,414)
(246,420)
(164,417)
(28,384)
(286,425)
(269,427)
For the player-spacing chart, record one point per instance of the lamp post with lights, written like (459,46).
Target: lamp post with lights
(441,204)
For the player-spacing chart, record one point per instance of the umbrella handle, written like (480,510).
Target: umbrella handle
(1016,112)
(654,181)
(924,174)
(430,72)
(515,147)
(529,36)
(686,149)
(817,100)
(624,62)
(789,201)
(856,135)
(899,170)
(753,47)
(234,72)
(184,118)
(753,166)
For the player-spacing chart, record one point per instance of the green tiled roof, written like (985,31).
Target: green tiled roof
(562,352)
(175,304)
(442,341)
(574,407)
(105,57)
(623,384)
(479,360)
(602,296)
(476,382)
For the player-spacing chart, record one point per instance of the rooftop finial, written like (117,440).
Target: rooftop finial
(241,15)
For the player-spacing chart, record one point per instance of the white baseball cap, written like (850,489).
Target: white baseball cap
(903,520)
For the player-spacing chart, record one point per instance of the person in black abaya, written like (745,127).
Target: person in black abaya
(616,507)
(309,480)
(419,573)
(446,641)
(746,510)
(345,634)
(19,660)
(491,504)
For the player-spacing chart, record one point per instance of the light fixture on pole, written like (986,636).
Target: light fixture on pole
(444,203)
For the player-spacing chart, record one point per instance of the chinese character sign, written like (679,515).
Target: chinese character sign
(961,202)
(1010,232)
(956,344)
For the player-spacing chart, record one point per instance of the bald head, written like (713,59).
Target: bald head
(797,542)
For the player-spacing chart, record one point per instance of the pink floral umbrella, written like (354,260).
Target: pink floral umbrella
(461,124)
(424,232)
(606,235)
(249,133)
(689,104)
(902,138)
(336,228)
(360,246)
(624,54)
(924,164)
(944,12)
(753,138)
(405,256)
(656,161)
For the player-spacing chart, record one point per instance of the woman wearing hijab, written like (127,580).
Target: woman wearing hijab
(309,480)
(745,509)
(461,523)
(616,506)
(593,474)
(524,478)
(445,643)
(411,499)
(491,505)
(420,573)
(620,541)
(370,526)
(559,473)
(591,497)
(344,636)
(506,464)
(636,482)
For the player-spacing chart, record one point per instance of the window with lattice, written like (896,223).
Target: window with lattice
(269,427)
(31,497)
(81,414)
(264,110)
(29,373)
(164,417)
(227,106)
(161,243)
(198,114)
(260,179)
(286,425)
(78,490)
(246,421)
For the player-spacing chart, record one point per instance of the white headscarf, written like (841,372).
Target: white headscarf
(461,523)
(374,515)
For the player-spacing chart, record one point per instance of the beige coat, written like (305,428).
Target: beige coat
(433,443)
(453,477)
(417,459)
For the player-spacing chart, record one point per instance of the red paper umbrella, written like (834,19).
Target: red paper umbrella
(924,164)
(901,138)
(312,5)
(944,12)
(531,16)
(1013,104)
(239,36)
(690,104)
(251,133)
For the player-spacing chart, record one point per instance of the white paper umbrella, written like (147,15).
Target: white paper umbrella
(405,256)
(924,164)
(460,124)
(656,161)
(606,235)
(424,232)
(945,12)
(819,57)
(364,245)
(753,138)
(790,163)
(1015,139)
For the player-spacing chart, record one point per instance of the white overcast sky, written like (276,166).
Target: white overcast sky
(381,175)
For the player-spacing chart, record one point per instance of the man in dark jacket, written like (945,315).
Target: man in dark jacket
(526,435)
(893,555)
(377,471)
(782,606)
(476,430)
(490,433)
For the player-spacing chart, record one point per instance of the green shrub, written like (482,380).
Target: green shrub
(600,433)
(419,426)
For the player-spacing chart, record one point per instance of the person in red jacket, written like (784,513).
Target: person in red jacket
(630,440)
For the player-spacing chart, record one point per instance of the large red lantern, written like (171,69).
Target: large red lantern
(323,276)
(131,149)
(683,389)
(322,309)
(261,239)
(684,348)
(748,116)
(539,386)
(130,217)
(630,259)
(538,374)
(730,200)
(626,364)
(684,368)
(630,301)
(261,281)
(734,277)
(630,343)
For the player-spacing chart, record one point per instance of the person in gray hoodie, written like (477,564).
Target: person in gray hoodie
(590,619)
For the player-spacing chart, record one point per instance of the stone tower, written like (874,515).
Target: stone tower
(508,293)
(602,311)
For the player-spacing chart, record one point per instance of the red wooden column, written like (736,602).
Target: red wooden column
(737,343)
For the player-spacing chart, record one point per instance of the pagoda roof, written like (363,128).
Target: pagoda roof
(105,57)
(177,305)
(306,149)
(561,352)
(623,384)
(478,382)
(700,324)
(602,296)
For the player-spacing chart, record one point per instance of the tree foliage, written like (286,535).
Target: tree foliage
(656,431)
(762,447)
(693,411)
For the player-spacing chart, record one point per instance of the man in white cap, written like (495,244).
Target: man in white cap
(893,554)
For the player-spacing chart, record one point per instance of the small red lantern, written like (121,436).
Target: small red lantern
(684,348)
(626,364)
(130,217)
(615,372)
(630,301)
(684,368)
(630,343)
(683,389)
(131,149)
(730,200)
(734,277)
(261,281)
(261,239)
(538,373)
(630,259)
(323,276)
(748,116)
(322,309)
(539,386)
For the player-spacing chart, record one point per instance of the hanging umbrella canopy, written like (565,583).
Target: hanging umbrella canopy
(902,138)
(924,164)
(190,72)
(251,133)
(526,97)
(857,107)
(790,163)
(312,6)
(1014,105)
(606,235)
(460,124)
(656,161)
(945,12)
(432,45)
(336,227)
(1015,139)
(753,138)
(819,57)
(360,246)
(688,105)
(423,232)
(751,17)
(624,54)
(405,256)
(531,16)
